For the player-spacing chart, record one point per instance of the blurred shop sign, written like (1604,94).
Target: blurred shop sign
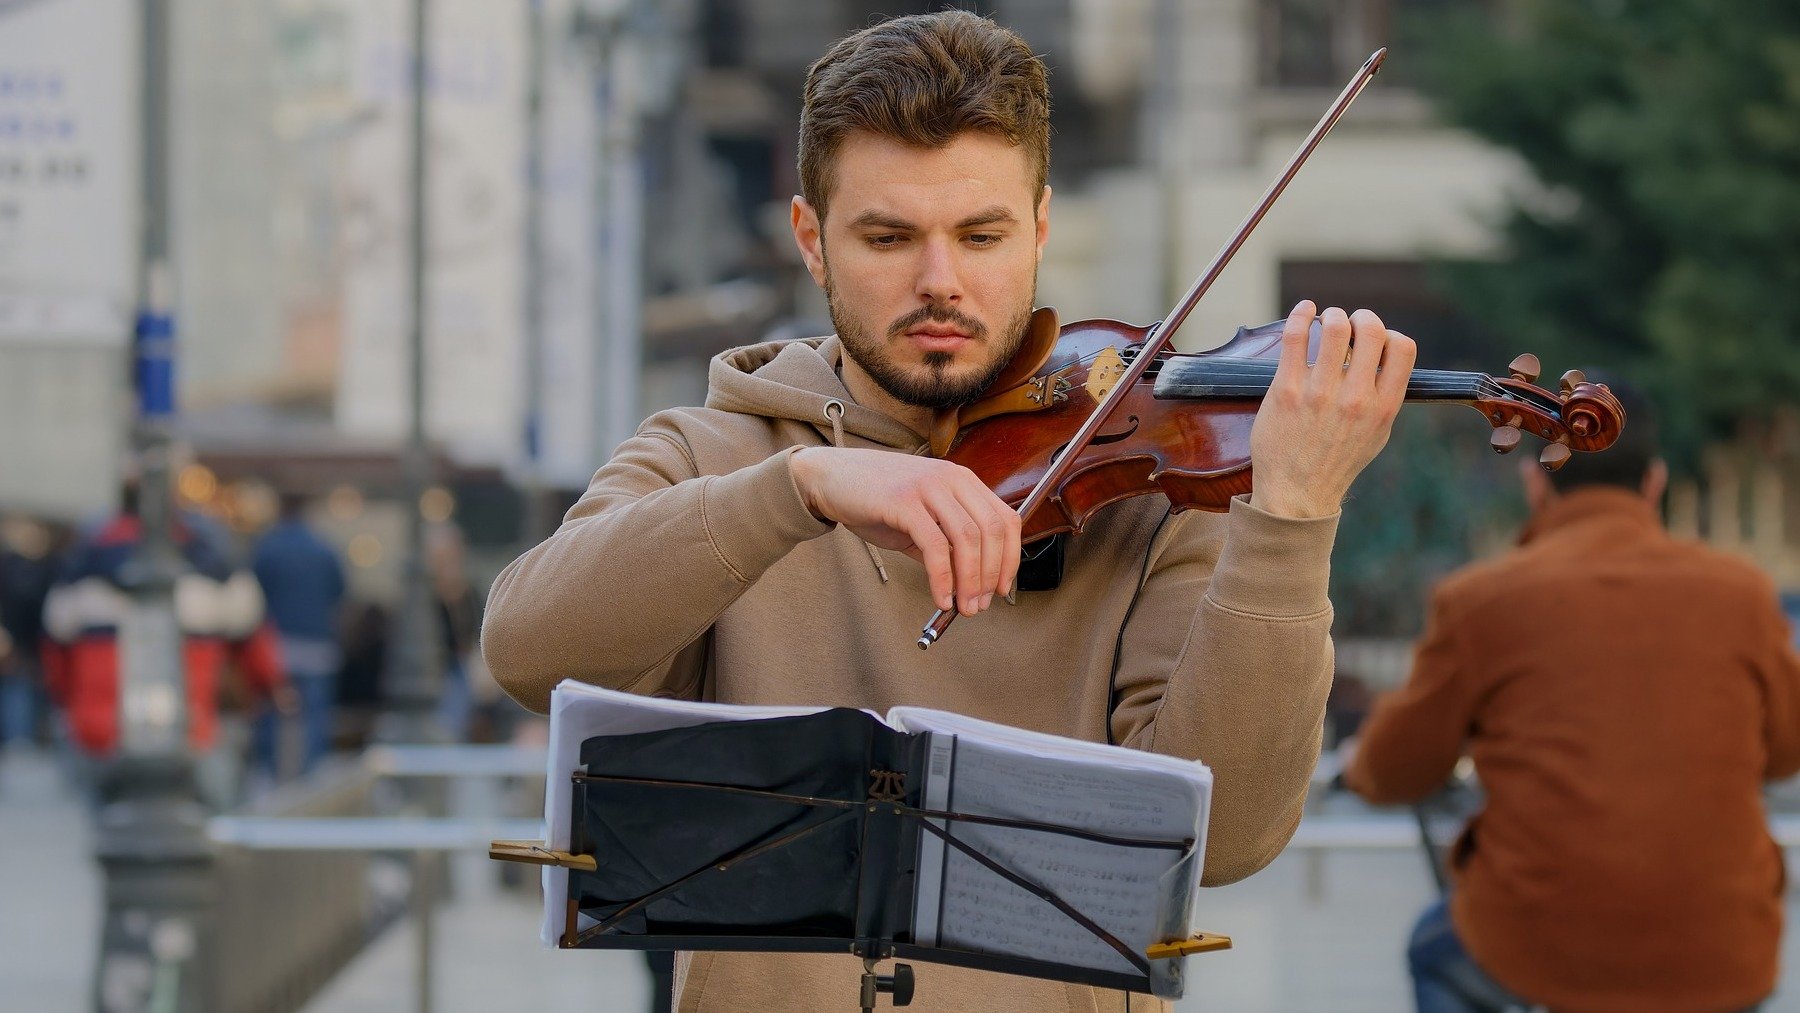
(89,319)
(68,169)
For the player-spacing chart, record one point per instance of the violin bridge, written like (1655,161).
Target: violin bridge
(1104,374)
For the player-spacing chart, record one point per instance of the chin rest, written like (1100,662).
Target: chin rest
(1009,391)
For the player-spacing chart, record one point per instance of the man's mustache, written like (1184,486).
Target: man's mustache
(938,314)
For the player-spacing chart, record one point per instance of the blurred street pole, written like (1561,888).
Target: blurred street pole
(150,834)
(411,677)
(621,58)
(622,238)
(537,522)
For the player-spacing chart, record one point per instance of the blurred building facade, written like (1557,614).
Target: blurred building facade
(609,191)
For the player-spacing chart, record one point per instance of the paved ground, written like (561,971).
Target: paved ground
(489,961)
(49,890)
(1293,954)
(1306,943)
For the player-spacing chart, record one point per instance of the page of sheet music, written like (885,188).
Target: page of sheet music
(1002,771)
(578,712)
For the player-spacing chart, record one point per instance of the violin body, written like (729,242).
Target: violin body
(1198,457)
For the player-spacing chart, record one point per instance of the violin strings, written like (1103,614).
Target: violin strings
(1241,369)
(1473,383)
(1258,371)
(1214,387)
(1260,368)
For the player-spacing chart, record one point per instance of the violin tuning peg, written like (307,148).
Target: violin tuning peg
(1505,439)
(1525,368)
(1570,379)
(1554,456)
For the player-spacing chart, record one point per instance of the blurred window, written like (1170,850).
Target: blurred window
(723,33)
(868,12)
(1320,43)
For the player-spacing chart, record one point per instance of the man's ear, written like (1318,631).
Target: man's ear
(808,238)
(1538,490)
(1043,222)
(1656,480)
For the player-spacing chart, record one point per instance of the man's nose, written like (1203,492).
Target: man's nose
(939,278)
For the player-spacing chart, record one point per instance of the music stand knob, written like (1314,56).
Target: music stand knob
(899,985)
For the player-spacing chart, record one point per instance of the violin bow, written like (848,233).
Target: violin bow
(1159,337)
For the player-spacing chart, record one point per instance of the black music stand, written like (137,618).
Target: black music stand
(795,834)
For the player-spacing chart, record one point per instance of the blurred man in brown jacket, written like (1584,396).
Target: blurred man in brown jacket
(783,543)
(1624,696)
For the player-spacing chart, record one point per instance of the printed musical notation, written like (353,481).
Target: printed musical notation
(1122,889)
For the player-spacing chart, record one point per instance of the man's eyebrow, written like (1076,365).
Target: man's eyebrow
(991,215)
(881,220)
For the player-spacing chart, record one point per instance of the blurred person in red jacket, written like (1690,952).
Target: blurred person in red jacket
(219,608)
(1624,696)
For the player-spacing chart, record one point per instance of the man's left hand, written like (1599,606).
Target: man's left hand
(1320,425)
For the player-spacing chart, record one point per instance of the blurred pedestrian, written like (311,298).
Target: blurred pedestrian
(1624,696)
(27,568)
(359,692)
(302,580)
(465,709)
(219,610)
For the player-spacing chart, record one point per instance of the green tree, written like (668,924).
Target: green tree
(1420,510)
(1668,242)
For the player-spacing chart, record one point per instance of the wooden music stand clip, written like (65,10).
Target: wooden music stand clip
(534,853)
(1199,942)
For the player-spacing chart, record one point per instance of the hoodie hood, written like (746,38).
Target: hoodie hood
(795,380)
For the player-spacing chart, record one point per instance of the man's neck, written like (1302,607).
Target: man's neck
(869,394)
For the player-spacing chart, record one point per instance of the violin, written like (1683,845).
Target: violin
(1093,412)
(1183,427)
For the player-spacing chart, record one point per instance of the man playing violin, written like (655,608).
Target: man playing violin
(778,545)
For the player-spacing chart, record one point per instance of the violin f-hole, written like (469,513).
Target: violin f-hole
(1102,438)
(1121,434)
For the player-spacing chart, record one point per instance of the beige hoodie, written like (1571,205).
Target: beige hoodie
(691,568)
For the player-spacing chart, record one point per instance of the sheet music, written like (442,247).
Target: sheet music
(974,767)
(1002,771)
(578,712)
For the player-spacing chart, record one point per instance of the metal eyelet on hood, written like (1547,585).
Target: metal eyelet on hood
(834,414)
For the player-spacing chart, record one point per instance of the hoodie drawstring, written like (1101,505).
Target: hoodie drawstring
(834,413)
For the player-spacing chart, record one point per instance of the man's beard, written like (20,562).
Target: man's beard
(933,388)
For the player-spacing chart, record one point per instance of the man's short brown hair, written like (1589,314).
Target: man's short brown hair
(923,79)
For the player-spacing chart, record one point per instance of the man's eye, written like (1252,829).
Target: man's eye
(984,238)
(886,240)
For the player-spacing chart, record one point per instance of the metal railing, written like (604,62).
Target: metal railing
(303,857)
(319,901)
(1383,830)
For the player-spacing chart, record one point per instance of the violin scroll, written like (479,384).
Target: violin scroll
(1584,416)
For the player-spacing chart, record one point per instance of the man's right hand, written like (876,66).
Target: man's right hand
(937,512)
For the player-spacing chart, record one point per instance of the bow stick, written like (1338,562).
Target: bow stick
(1159,338)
